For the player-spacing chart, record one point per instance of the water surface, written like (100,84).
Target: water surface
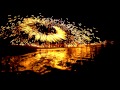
(41,59)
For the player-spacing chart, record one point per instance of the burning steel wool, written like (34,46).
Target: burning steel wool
(40,30)
(73,43)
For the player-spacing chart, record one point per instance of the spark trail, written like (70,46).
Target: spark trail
(33,29)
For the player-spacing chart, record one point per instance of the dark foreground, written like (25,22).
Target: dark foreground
(104,68)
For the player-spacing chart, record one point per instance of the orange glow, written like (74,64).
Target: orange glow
(53,57)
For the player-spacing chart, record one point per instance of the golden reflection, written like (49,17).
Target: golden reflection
(52,57)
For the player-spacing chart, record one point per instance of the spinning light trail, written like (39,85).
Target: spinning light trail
(38,29)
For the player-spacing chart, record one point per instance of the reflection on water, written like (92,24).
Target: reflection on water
(60,58)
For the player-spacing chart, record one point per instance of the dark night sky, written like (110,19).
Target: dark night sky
(100,15)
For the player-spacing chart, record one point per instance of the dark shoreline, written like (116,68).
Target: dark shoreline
(16,50)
